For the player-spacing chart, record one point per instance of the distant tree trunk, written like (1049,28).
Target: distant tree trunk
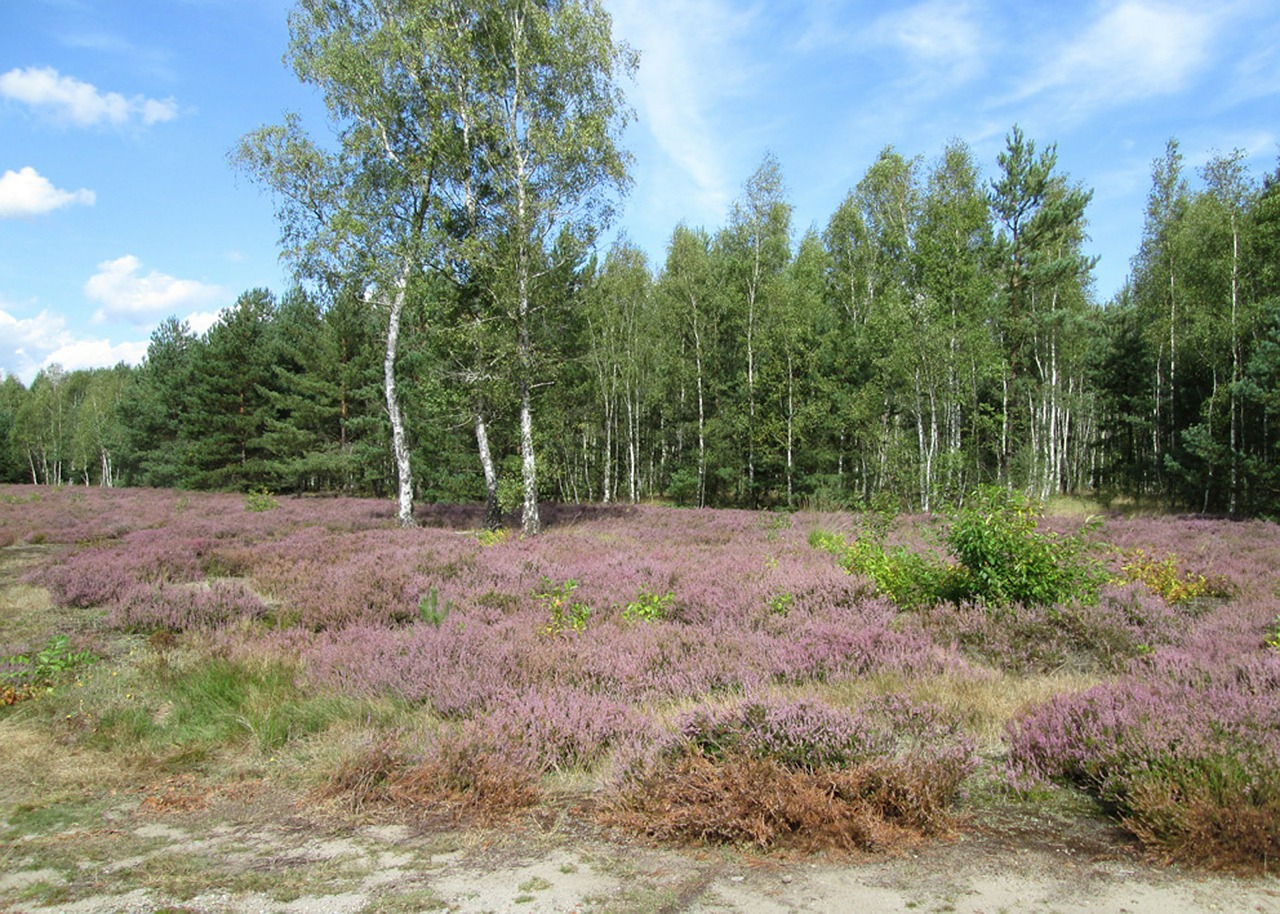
(492,508)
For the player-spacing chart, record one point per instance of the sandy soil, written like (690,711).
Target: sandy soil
(262,853)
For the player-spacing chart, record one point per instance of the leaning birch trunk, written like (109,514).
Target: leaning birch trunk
(399,442)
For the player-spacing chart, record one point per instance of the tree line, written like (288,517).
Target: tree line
(938,333)
(941,330)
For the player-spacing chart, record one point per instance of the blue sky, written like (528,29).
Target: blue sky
(118,206)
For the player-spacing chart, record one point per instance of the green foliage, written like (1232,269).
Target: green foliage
(1002,558)
(780,604)
(1169,580)
(430,609)
(1007,559)
(1272,640)
(224,701)
(44,667)
(649,607)
(496,537)
(259,500)
(564,614)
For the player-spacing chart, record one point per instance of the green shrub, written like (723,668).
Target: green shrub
(565,614)
(1007,559)
(1169,580)
(1273,637)
(1001,557)
(43,667)
(260,500)
(430,609)
(649,607)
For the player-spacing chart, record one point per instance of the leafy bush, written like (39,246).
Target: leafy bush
(1168,579)
(1002,558)
(260,500)
(22,675)
(565,614)
(1007,559)
(649,607)
(496,537)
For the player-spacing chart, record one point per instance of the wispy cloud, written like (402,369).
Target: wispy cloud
(26,192)
(1135,50)
(124,292)
(690,62)
(80,103)
(945,41)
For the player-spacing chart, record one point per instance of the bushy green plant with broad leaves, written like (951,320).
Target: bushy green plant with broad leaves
(22,675)
(649,607)
(1007,559)
(1001,557)
(565,615)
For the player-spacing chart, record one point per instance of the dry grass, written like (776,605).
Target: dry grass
(983,704)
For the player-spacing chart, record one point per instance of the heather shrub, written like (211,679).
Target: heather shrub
(1122,625)
(467,773)
(800,773)
(1193,771)
(168,607)
(558,728)
(364,778)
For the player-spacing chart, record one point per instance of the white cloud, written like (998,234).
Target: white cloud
(201,321)
(76,354)
(124,292)
(28,193)
(79,102)
(1136,50)
(24,342)
(691,59)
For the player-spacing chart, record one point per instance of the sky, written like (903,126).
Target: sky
(119,205)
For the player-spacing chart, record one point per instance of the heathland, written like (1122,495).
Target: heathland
(774,689)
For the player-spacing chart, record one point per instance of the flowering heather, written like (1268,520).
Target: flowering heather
(743,607)
(1193,771)
(184,607)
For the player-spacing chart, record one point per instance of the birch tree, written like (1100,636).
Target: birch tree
(362,209)
(554,112)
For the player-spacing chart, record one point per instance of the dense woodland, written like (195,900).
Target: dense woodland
(940,331)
